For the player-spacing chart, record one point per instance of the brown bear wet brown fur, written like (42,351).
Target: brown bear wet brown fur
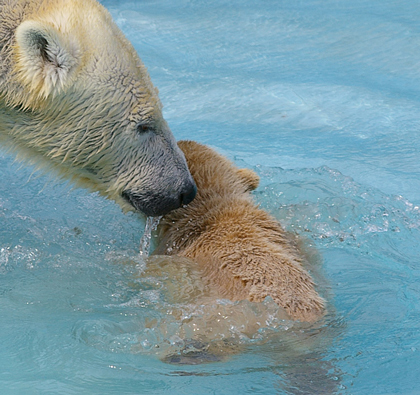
(242,251)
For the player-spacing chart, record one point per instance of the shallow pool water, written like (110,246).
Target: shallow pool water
(321,99)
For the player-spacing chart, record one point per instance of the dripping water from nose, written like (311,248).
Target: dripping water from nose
(145,241)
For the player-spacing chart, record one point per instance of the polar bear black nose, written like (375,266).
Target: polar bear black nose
(155,204)
(188,195)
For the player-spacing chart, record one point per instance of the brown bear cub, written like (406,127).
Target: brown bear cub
(242,251)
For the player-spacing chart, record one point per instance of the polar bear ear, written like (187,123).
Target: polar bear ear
(45,58)
(249,178)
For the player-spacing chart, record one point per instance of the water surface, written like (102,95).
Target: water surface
(320,98)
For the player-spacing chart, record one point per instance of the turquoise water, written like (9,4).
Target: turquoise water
(319,97)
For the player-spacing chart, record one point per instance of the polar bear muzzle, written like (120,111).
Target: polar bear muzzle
(154,205)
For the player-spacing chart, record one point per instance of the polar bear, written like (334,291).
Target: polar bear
(241,251)
(75,98)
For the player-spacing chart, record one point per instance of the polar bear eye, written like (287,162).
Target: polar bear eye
(144,128)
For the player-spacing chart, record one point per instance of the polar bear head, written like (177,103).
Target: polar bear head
(76,98)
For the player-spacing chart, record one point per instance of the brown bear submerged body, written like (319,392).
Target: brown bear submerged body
(241,251)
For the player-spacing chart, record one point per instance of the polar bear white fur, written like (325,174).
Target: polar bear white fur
(76,98)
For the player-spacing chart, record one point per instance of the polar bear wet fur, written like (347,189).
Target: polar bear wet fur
(76,98)
(240,249)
